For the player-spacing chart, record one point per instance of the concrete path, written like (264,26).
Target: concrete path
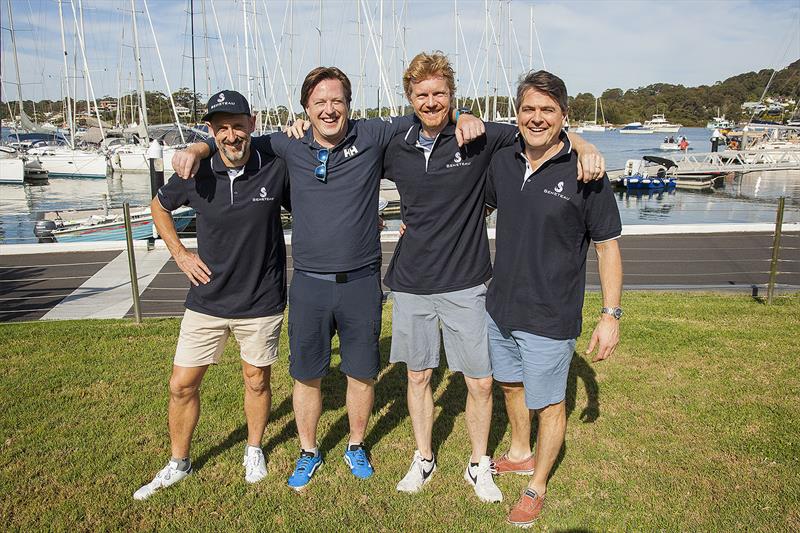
(108,293)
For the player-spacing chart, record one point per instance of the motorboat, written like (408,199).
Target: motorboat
(650,173)
(674,145)
(719,123)
(659,124)
(635,128)
(107,226)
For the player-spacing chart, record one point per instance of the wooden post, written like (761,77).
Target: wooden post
(776,247)
(137,308)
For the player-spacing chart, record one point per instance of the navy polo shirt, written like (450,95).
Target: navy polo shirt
(335,224)
(444,247)
(545,221)
(239,235)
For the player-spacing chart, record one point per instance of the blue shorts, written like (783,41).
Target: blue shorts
(318,309)
(541,364)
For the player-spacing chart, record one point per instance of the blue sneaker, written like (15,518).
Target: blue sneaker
(307,465)
(356,458)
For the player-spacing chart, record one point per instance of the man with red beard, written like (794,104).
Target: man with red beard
(441,263)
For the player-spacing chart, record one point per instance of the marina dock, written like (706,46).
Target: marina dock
(78,281)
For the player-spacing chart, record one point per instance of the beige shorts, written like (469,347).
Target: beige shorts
(202,339)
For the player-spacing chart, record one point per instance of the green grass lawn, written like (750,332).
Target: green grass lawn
(693,425)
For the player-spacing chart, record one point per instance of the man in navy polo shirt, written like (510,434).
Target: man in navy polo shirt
(441,263)
(335,171)
(238,279)
(545,222)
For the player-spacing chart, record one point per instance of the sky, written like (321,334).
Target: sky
(592,45)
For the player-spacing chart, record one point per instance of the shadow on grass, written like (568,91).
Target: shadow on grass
(239,436)
(578,368)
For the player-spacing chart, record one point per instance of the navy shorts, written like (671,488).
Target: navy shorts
(318,309)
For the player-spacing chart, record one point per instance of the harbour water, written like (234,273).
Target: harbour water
(751,197)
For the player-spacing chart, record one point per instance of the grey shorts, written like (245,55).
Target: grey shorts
(416,319)
(541,364)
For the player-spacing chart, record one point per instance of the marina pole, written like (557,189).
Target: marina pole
(776,248)
(156,163)
(137,306)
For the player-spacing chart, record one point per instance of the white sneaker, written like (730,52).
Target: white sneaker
(417,477)
(482,482)
(169,475)
(255,467)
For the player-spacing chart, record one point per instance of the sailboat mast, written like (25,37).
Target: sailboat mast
(139,76)
(16,62)
(246,51)
(194,77)
(205,45)
(455,16)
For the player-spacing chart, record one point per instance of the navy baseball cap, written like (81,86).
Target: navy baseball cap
(227,102)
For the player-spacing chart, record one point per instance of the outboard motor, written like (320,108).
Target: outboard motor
(44,228)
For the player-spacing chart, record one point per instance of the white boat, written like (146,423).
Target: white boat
(635,128)
(12,170)
(672,146)
(659,124)
(719,123)
(108,226)
(133,158)
(591,126)
(62,161)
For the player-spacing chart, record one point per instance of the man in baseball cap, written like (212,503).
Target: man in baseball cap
(238,195)
(227,102)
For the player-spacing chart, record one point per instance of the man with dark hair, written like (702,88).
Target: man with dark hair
(335,171)
(545,222)
(238,279)
(440,265)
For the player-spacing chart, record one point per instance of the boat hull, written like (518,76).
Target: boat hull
(636,182)
(138,162)
(74,165)
(115,231)
(12,171)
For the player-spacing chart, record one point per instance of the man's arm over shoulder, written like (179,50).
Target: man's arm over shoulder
(186,162)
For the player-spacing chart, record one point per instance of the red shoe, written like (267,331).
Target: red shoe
(504,465)
(527,509)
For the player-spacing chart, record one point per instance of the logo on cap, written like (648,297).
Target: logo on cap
(221,97)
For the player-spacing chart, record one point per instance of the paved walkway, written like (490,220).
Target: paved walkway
(95,284)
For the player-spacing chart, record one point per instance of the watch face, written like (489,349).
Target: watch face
(617,313)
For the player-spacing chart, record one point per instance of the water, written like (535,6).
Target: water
(747,198)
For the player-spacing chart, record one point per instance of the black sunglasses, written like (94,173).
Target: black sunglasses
(321,172)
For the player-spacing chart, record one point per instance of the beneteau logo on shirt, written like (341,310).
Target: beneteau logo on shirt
(557,191)
(458,161)
(263,196)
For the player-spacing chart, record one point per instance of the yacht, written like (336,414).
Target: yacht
(635,128)
(659,124)
(719,123)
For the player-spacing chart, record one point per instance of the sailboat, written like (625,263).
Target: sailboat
(58,160)
(591,126)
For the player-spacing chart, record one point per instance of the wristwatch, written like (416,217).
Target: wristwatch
(616,312)
(462,111)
